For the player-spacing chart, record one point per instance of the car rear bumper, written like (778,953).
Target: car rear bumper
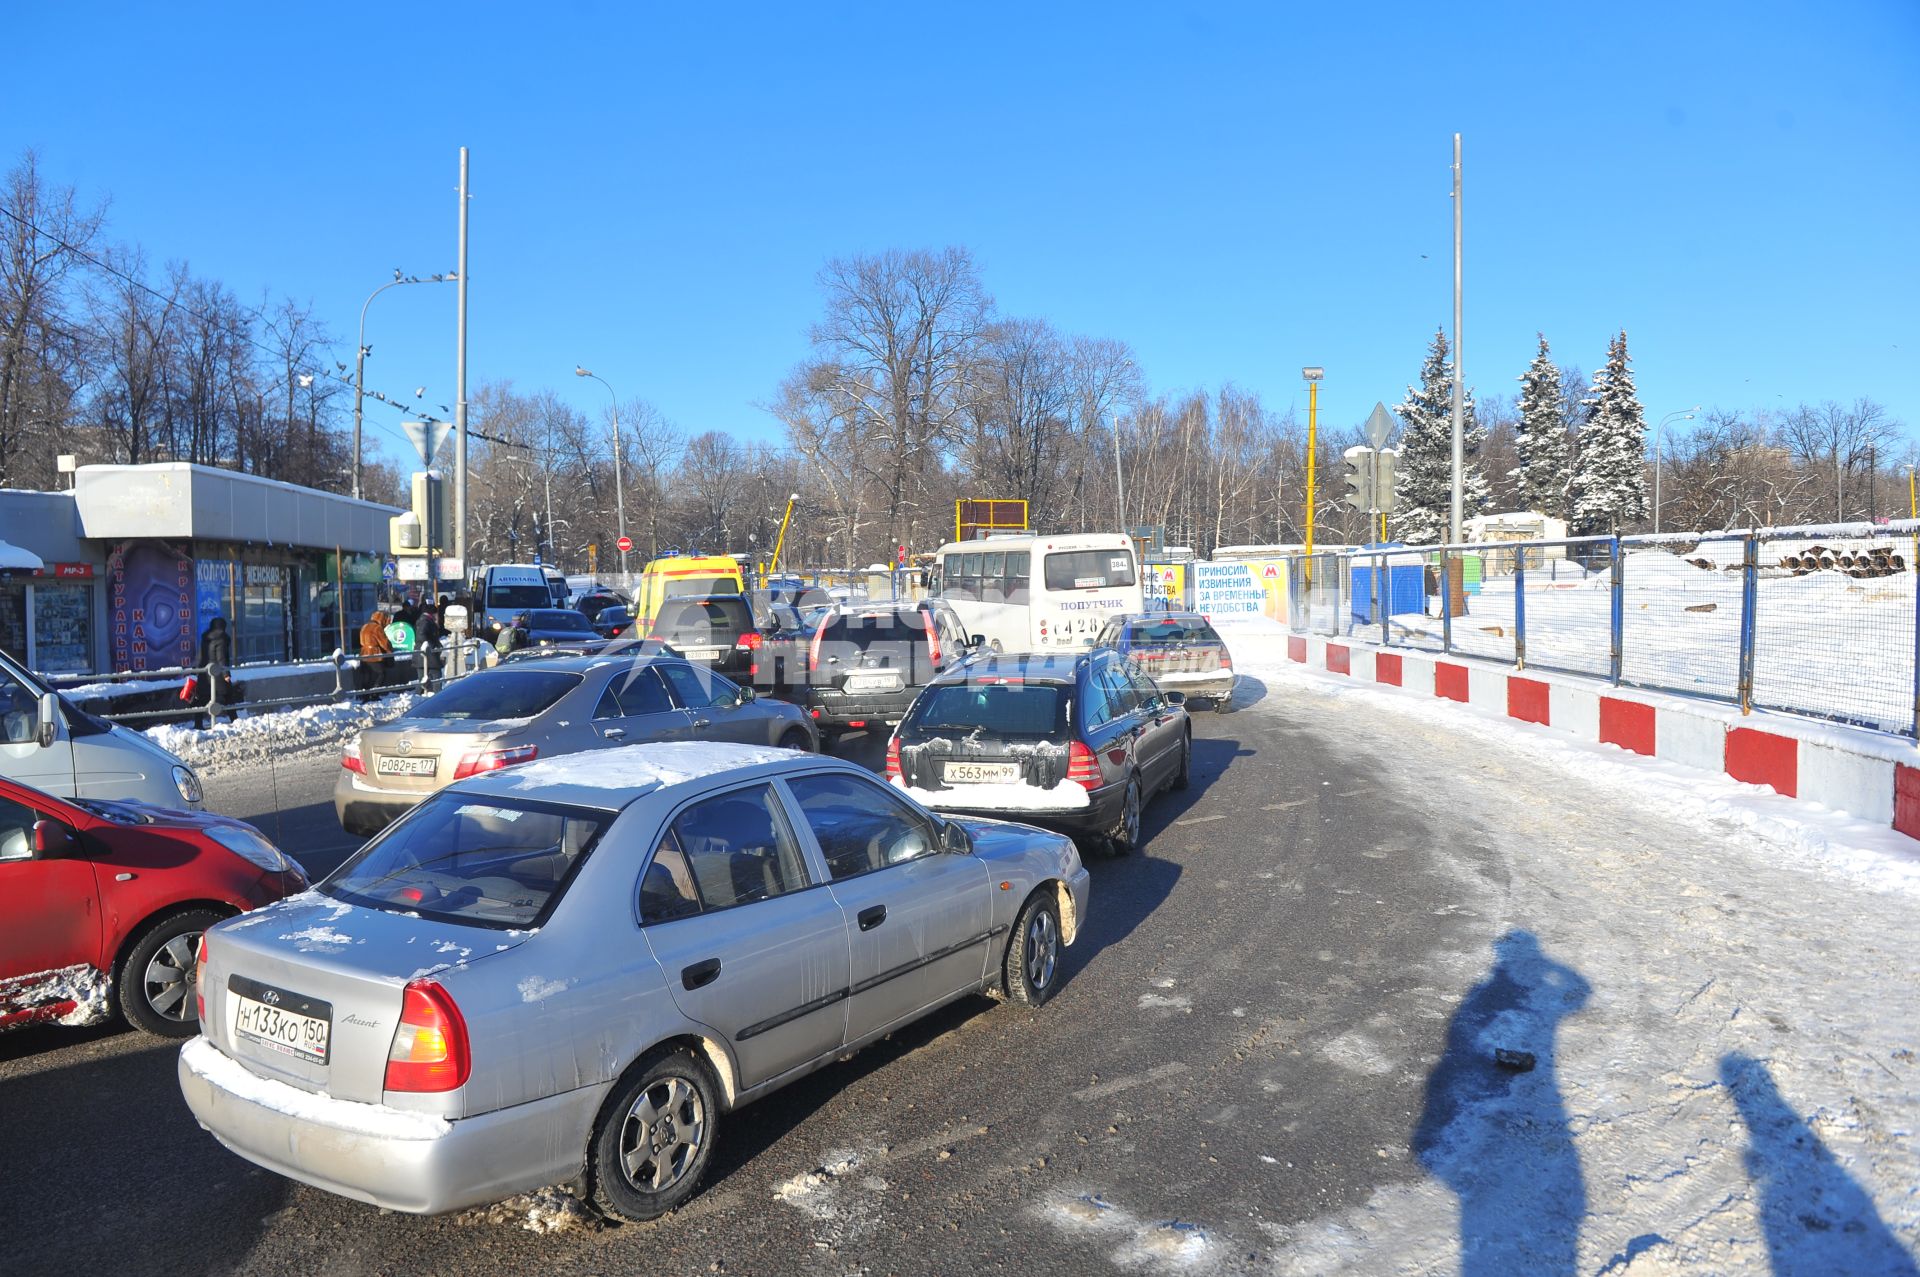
(1211,685)
(831,707)
(364,811)
(369,1153)
(1100,814)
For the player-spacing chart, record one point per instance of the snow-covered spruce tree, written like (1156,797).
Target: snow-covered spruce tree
(1425,485)
(1545,471)
(1610,470)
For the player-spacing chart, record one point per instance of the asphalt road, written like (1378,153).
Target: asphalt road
(1177,1101)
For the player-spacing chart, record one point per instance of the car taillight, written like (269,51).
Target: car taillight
(813,648)
(933,641)
(893,758)
(429,1050)
(492,760)
(1226,659)
(200,981)
(350,758)
(750,642)
(1082,767)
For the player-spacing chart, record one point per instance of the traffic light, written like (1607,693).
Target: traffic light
(1359,477)
(1386,476)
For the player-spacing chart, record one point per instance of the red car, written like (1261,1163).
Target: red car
(102,905)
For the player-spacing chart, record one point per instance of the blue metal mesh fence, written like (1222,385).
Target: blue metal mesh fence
(1680,628)
(1834,629)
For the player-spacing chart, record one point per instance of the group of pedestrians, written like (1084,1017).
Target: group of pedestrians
(412,628)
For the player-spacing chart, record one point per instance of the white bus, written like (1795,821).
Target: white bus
(1038,594)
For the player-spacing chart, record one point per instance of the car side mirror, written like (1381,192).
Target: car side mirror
(48,720)
(954,840)
(746,694)
(50,839)
(1174,698)
(977,640)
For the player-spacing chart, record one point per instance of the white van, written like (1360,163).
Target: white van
(505,590)
(51,744)
(1038,594)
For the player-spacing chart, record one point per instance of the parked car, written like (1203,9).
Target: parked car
(865,664)
(596,601)
(561,626)
(102,904)
(543,707)
(714,629)
(1076,743)
(611,621)
(51,744)
(1179,651)
(575,971)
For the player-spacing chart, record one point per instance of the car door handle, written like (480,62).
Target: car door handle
(615,733)
(703,722)
(700,974)
(873,917)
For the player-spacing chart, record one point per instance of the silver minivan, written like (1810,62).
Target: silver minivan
(50,743)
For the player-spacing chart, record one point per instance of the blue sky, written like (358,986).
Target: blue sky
(1235,190)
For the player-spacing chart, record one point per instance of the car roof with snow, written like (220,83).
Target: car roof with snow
(609,779)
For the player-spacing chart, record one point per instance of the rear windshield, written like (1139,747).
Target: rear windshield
(728,616)
(558,619)
(493,694)
(1089,569)
(994,709)
(864,630)
(1169,632)
(494,862)
(680,587)
(518,597)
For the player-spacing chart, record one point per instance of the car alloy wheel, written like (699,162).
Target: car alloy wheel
(1042,949)
(167,983)
(661,1138)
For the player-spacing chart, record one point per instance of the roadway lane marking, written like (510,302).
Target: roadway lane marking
(1298,802)
(1157,1073)
(1198,820)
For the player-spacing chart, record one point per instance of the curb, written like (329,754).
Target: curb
(1870,775)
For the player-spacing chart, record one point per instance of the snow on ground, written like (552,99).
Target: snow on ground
(1714,985)
(82,984)
(242,743)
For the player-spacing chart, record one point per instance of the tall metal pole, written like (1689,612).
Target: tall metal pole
(1313,448)
(619,482)
(460,391)
(359,391)
(1459,356)
(1119,484)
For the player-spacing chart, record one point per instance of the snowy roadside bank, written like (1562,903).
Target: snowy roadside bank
(247,742)
(1715,983)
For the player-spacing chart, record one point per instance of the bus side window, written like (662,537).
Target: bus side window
(970,574)
(992,568)
(1016,578)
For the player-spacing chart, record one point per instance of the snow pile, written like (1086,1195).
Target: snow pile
(82,984)
(537,989)
(1008,796)
(228,1075)
(545,1210)
(641,766)
(252,741)
(1134,1244)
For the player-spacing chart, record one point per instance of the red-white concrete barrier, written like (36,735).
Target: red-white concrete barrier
(1871,775)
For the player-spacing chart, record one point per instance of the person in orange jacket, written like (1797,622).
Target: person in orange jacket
(374,650)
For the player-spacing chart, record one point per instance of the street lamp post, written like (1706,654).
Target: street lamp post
(1659,438)
(360,356)
(1119,483)
(619,486)
(1312,376)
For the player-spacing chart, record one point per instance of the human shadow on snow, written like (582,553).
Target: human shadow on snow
(1817,1220)
(1496,1133)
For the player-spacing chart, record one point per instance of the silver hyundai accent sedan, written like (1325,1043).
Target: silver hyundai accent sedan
(570,972)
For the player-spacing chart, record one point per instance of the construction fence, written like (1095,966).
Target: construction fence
(1819,621)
